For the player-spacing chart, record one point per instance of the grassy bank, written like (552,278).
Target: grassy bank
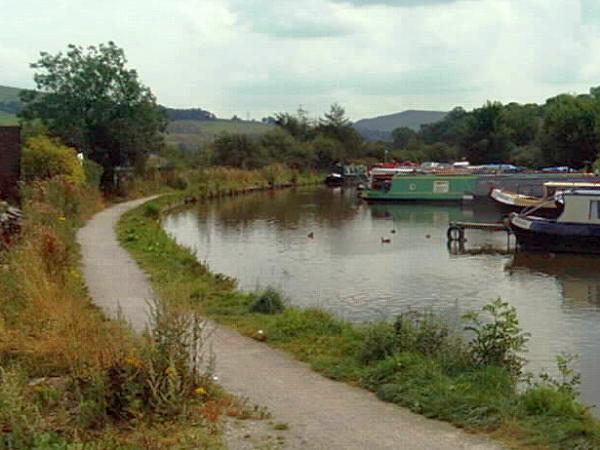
(72,379)
(415,361)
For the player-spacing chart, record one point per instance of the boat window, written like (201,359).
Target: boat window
(594,209)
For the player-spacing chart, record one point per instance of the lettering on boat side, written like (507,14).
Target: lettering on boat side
(441,187)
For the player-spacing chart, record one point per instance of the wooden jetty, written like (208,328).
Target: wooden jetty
(456,230)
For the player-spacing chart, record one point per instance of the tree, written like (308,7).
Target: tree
(238,150)
(570,132)
(487,138)
(299,126)
(524,122)
(90,100)
(328,151)
(450,130)
(335,125)
(403,136)
(280,146)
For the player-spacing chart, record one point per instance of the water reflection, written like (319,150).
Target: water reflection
(263,240)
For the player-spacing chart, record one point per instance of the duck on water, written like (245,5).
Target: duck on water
(575,230)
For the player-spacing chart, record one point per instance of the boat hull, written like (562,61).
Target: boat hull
(541,235)
(424,188)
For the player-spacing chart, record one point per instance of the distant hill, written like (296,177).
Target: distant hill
(380,128)
(7,119)
(191,134)
(10,102)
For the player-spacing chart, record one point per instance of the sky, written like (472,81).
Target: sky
(254,58)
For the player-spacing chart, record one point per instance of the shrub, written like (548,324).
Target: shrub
(179,183)
(93,172)
(179,360)
(500,341)
(380,342)
(152,210)
(268,302)
(294,322)
(45,158)
(422,332)
(419,332)
(19,418)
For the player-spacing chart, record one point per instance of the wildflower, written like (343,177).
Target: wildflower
(200,391)
(215,378)
(171,371)
(133,362)
(62,218)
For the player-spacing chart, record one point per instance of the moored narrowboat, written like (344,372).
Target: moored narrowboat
(441,188)
(576,230)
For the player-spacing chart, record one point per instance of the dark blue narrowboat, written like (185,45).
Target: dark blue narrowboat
(575,230)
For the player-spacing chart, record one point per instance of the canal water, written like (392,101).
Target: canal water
(345,267)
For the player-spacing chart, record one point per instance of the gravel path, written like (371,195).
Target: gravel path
(320,413)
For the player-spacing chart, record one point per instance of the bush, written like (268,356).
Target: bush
(419,332)
(380,342)
(268,302)
(500,341)
(93,172)
(44,158)
(152,210)
(422,332)
(178,182)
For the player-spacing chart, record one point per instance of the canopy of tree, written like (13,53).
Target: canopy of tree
(563,131)
(90,100)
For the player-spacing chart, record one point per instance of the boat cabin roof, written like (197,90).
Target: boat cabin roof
(572,184)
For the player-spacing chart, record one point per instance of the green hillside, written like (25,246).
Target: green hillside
(191,134)
(7,119)
(381,127)
(9,94)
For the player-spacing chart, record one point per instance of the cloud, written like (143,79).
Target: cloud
(397,3)
(428,81)
(262,56)
(284,19)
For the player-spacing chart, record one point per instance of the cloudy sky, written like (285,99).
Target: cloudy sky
(374,57)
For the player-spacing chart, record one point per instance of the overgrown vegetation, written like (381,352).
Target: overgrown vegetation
(473,380)
(71,378)
(44,158)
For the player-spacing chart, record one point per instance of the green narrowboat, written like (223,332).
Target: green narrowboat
(438,188)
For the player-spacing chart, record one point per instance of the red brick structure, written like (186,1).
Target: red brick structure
(10,161)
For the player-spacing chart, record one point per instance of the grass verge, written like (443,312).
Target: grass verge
(415,362)
(70,378)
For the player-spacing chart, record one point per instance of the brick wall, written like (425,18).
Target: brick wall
(10,161)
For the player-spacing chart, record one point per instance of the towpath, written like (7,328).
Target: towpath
(320,413)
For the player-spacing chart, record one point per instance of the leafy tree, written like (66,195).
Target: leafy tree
(299,125)
(570,131)
(238,150)
(92,101)
(280,146)
(450,130)
(524,122)
(328,151)
(335,125)
(403,136)
(487,137)
(527,156)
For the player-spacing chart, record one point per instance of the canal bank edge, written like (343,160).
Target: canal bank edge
(216,296)
(312,405)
